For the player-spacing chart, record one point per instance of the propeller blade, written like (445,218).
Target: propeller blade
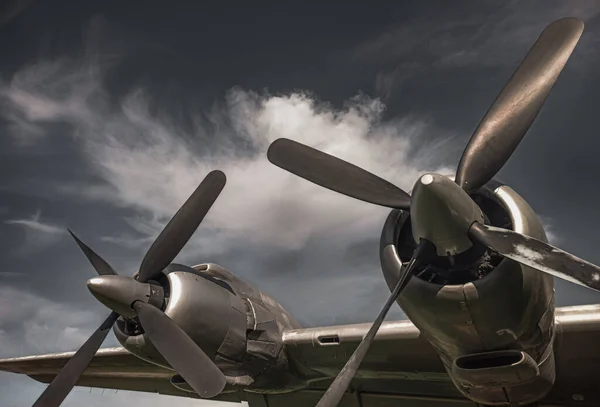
(70,374)
(99,264)
(338,387)
(538,255)
(335,174)
(182,226)
(509,118)
(182,353)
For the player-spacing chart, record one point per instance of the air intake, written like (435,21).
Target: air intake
(498,368)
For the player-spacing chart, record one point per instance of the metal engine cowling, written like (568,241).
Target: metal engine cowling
(206,309)
(502,306)
(235,324)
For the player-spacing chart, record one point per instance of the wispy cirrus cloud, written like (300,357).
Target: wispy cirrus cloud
(38,235)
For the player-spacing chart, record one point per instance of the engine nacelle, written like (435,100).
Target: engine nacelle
(236,325)
(493,305)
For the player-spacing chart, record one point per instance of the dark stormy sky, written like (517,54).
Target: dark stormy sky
(112,113)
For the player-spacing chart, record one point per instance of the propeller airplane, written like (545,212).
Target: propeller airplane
(465,257)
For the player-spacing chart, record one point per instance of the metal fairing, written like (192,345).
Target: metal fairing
(246,290)
(238,326)
(510,308)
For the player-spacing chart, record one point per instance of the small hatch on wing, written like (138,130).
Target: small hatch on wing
(329,340)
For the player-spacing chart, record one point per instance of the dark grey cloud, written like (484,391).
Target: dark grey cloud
(112,113)
(488,35)
(9,9)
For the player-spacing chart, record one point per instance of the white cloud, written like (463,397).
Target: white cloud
(150,164)
(38,235)
(553,238)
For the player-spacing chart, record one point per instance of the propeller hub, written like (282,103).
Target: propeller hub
(119,293)
(442,213)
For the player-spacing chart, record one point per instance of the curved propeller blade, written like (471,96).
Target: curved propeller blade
(99,264)
(538,255)
(509,118)
(182,226)
(336,390)
(182,353)
(70,374)
(335,174)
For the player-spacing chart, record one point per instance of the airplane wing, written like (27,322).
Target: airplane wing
(111,368)
(318,353)
(400,369)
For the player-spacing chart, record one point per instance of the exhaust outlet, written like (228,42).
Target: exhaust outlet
(495,369)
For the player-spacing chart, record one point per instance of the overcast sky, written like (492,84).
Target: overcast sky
(113,112)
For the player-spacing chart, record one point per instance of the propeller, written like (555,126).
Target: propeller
(490,147)
(538,255)
(132,297)
(99,264)
(182,353)
(518,104)
(443,214)
(66,379)
(335,174)
(181,227)
(424,252)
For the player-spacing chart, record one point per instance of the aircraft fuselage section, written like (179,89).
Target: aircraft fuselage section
(493,332)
